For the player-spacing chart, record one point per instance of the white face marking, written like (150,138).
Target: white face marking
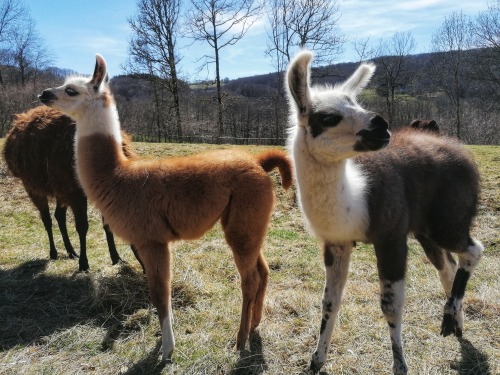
(88,101)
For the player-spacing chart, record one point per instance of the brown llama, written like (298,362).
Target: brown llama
(152,202)
(39,150)
(428,125)
(356,182)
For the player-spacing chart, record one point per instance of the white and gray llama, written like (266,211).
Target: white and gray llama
(151,202)
(356,182)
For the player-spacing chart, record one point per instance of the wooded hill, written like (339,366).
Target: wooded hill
(463,99)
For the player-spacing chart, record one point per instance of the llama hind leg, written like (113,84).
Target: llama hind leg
(467,262)
(78,204)
(446,266)
(60,215)
(263,270)
(157,263)
(441,259)
(246,258)
(336,260)
(245,224)
(110,239)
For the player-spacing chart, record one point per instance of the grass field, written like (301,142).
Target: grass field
(54,320)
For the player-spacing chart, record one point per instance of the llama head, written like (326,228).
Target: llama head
(334,125)
(80,95)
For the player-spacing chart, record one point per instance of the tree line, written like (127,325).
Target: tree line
(458,84)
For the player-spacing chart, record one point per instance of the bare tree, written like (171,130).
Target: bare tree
(29,54)
(392,62)
(363,49)
(454,37)
(11,13)
(152,50)
(295,24)
(221,23)
(313,24)
(487,36)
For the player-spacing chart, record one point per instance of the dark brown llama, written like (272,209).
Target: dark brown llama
(428,125)
(39,150)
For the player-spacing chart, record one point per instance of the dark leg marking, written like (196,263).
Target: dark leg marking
(450,324)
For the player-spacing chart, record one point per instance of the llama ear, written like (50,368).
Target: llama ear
(297,80)
(100,73)
(359,79)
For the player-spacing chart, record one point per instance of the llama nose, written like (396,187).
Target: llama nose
(378,122)
(47,97)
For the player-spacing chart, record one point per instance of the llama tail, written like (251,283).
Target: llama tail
(271,159)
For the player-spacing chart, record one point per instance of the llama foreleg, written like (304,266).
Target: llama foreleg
(336,260)
(467,262)
(392,296)
(42,205)
(391,264)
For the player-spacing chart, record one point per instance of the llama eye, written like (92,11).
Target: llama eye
(320,121)
(71,92)
(331,120)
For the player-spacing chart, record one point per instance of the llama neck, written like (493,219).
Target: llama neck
(101,118)
(98,158)
(332,196)
(98,147)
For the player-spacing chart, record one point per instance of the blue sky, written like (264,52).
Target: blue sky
(74,30)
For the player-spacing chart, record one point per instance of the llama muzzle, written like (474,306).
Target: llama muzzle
(47,97)
(374,138)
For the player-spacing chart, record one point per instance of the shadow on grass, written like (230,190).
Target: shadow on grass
(252,361)
(34,304)
(149,365)
(473,362)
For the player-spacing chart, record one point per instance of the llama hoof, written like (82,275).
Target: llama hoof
(449,326)
(53,256)
(316,364)
(166,361)
(114,262)
(400,369)
(314,367)
(73,255)
(84,268)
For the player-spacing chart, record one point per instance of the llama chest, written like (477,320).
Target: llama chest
(333,201)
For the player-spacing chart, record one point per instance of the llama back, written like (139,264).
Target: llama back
(39,150)
(438,193)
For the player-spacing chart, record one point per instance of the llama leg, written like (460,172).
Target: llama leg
(445,265)
(42,204)
(391,264)
(263,270)
(336,259)
(245,224)
(136,254)
(442,260)
(157,263)
(78,205)
(60,215)
(250,283)
(110,239)
(467,262)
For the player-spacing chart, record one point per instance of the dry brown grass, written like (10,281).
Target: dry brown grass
(54,320)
